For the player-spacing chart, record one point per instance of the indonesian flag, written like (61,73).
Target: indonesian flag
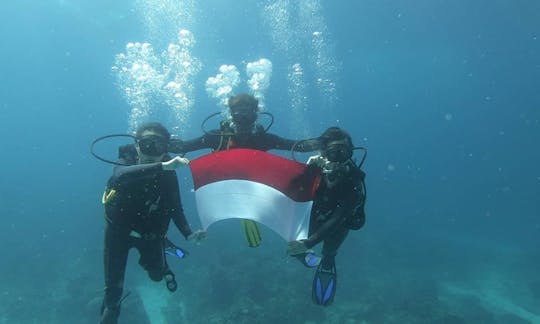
(250,184)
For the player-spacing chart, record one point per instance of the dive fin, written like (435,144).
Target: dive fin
(251,232)
(324,285)
(309,259)
(170,281)
(174,250)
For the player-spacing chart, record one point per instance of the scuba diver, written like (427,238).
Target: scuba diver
(338,207)
(141,198)
(242,131)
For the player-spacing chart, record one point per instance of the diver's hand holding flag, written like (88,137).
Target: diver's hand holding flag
(197,236)
(174,163)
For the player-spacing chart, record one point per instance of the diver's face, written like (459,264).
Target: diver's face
(244,116)
(337,151)
(151,147)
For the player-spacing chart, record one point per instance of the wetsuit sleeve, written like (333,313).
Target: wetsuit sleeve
(357,218)
(275,142)
(308,145)
(206,141)
(176,209)
(121,173)
(338,218)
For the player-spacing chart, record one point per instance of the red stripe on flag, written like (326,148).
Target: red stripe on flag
(295,180)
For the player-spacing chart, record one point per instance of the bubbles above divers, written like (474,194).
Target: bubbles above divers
(137,78)
(297,96)
(179,70)
(322,55)
(186,39)
(299,31)
(164,18)
(277,18)
(259,74)
(161,71)
(145,78)
(149,79)
(221,86)
(296,74)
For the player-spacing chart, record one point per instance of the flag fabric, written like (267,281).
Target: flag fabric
(251,184)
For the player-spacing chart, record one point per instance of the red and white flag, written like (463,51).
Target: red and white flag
(250,184)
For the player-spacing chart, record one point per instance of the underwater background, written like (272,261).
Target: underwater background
(444,94)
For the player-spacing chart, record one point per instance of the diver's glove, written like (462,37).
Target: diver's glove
(174,163)
(197,236)
(296,248)
(317,160)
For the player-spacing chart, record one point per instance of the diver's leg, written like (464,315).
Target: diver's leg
(114,259)
(331,245)
(154,262)
(325,279)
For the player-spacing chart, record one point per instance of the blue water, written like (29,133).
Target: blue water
(444,94)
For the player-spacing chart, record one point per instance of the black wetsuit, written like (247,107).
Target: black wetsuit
(335,211)
(224,139)
(140,201)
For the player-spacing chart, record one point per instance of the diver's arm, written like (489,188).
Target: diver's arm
(279,143)
(208,141)
(337,219)
(307,145)
(357,218)
(176,209)
(136,171)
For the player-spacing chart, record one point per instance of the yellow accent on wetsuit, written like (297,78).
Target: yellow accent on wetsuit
(107,195)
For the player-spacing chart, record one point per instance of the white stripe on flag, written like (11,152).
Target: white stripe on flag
(256,201)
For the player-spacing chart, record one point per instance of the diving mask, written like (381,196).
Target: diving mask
(153,145)
(244,115)
(244,118)
(339,151)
